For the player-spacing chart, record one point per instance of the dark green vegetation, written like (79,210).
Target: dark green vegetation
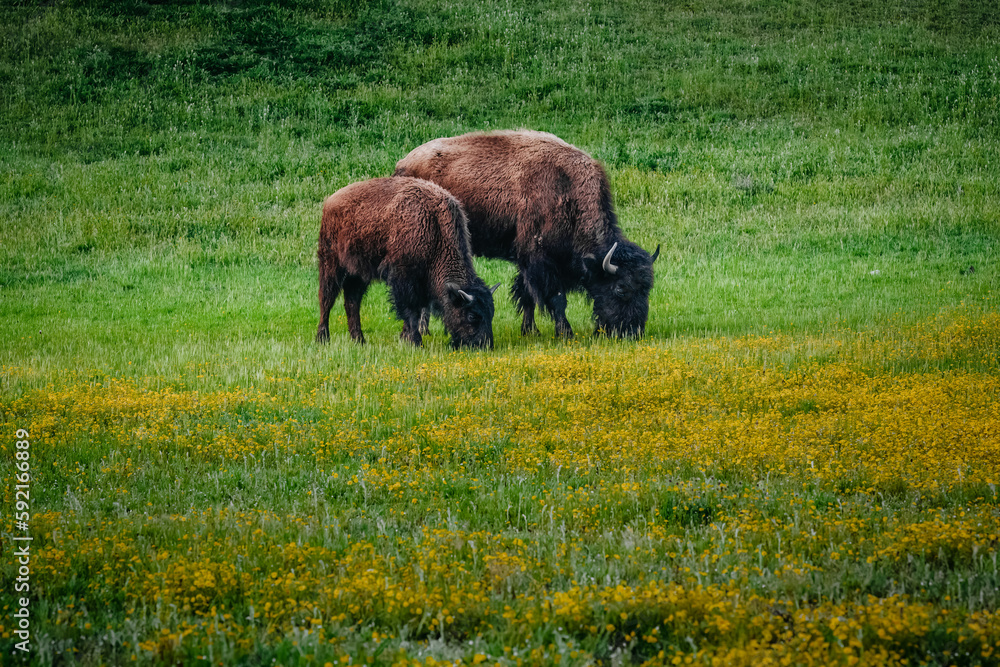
(826,171)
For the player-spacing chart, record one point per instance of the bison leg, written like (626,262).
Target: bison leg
(524,304)
(409,305)
(543,287)
(425,321)
(329,289)
(354,291)
(556,305)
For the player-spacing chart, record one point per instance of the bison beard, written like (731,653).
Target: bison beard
(533,199)
(414,236)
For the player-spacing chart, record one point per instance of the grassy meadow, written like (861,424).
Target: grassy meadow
(797,465)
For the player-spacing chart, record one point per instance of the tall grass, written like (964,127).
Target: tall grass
(798,461)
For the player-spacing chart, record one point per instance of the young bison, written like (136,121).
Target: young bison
(537,201)
(414,236)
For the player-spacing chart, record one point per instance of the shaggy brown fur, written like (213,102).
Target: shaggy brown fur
(535,200)
(413,235)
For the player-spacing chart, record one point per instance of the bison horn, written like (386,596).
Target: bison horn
(655,254)
(608,266)
(494,288)
(452,287)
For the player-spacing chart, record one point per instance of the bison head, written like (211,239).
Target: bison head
(619,285)
(468,314)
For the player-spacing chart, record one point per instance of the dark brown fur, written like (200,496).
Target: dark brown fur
(413,235)
(535,200)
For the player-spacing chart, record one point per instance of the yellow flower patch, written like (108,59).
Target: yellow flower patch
(764,500)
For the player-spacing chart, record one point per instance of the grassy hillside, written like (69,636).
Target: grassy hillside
(799,460)
(780,154)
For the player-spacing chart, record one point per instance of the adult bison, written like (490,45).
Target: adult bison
(414,236)
(535,200)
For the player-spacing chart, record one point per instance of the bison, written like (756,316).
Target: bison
(414,236)
(535,200)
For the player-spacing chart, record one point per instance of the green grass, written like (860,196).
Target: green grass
(779,155)
(820,177)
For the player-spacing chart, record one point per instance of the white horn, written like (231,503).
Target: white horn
(608,266)
(452,287)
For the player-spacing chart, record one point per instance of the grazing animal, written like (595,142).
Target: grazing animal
(539,202)
(414,236)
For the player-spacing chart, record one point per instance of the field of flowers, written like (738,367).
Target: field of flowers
(783,499)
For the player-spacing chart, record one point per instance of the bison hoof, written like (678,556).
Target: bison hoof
(323,336)
(564,332)
(412,337)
